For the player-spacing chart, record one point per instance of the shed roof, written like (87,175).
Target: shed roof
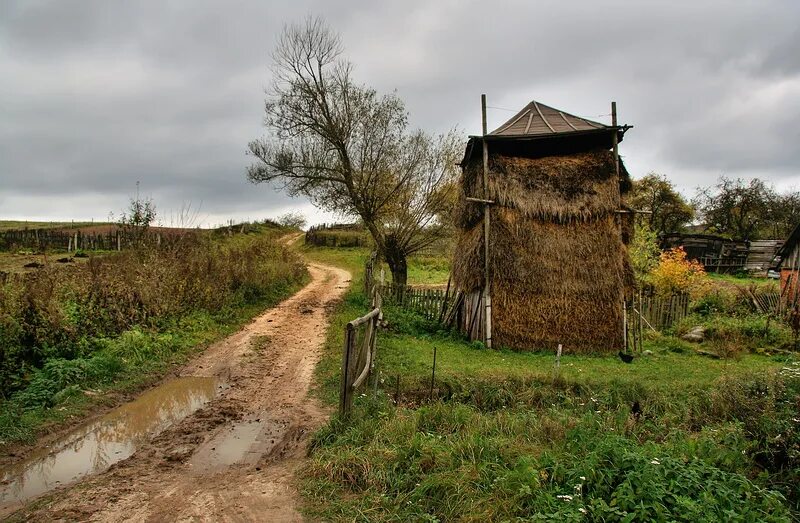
(538,119)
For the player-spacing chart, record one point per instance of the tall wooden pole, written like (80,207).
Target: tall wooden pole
(487,295)
(615,144)
(615,139)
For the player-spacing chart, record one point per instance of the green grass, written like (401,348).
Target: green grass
(504,436)
(739,279)
(428,270)
(412,356)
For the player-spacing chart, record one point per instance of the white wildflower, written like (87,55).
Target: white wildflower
(582,510)
(655,462)
(565,497)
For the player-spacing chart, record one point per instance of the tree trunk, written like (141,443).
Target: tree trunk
(396,259)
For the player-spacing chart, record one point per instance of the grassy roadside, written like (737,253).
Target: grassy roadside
(96,371)
(673,436)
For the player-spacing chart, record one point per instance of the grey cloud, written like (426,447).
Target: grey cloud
(95,95)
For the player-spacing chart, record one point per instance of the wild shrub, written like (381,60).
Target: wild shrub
(63,314)
(675,273)
(718,300)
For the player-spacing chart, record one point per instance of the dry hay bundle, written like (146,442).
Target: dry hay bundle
(558,262)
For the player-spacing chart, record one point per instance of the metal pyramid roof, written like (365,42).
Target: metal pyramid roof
(537,119)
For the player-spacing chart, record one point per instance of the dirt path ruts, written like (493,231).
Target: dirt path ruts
(234,459)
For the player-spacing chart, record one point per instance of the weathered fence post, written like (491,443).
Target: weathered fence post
(433,374)
(345,394)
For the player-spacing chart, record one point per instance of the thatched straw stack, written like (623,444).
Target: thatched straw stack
(559,264)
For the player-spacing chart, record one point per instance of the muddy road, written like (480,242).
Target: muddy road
(234,458)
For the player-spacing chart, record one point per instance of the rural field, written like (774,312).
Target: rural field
(493,435)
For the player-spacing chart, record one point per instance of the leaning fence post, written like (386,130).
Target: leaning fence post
(433,374)
(345,394)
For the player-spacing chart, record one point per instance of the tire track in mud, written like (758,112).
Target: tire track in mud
(235,458)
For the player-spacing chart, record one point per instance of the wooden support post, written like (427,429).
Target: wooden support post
(487,294)
(640,320)
(615,140)
(345,394)
(615,147)
(625,323)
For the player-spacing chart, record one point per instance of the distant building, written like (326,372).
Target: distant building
(724,255)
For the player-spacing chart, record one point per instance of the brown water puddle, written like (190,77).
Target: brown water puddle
(95,447)
(243,443)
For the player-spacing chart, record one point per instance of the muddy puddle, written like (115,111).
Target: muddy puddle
(243,443)
(98,445)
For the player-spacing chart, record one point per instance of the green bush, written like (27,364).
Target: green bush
(719,300)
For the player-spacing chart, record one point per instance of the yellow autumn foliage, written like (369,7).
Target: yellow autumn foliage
(675,273)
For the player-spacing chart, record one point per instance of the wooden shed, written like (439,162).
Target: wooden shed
(789,265)
(725,255)
(547,188)
(715,253)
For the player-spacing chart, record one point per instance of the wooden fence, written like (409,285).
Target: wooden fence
(358,357)
(767,302)
(652,312)
(360,336)
(113,240)
(661,312)
(430,303)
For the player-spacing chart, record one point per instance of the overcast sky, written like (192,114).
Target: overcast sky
(95,95)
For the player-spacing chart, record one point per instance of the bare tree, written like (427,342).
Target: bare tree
(349,149)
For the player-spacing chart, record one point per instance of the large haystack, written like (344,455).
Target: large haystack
(559,265)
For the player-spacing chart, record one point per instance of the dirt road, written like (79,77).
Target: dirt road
(234,459)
